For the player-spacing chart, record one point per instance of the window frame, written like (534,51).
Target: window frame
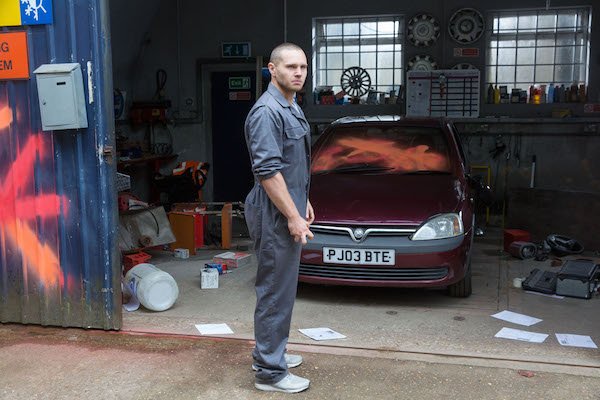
(581,30)
(352,39)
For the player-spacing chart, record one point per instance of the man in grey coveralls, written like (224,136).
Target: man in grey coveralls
(278,214)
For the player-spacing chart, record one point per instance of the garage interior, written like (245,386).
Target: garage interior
(540,159)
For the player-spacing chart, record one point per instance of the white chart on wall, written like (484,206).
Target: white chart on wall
(443,93)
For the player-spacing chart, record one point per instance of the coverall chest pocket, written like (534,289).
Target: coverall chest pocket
(294,142)
(294,146)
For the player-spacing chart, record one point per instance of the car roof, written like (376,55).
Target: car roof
(369,119)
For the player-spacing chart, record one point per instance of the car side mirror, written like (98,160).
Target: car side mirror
(482,191)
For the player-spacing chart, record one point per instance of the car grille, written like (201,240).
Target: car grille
(372,274)
(368,231)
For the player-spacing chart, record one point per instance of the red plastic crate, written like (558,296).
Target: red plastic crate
(131,260)
(515,235)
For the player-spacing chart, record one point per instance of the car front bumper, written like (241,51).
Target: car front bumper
(427,263)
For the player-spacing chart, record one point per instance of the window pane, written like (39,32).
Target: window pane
(321,62)
(386,60)
(567,21)
(398,58)
(563,73)
(546,42)
(565,55)
(385,47)
(351,60)
(565,40)
(385,77)
(526,42)
(333,30)
(334,49)
(333,77)
(368,60)
(506,74)
(527,23)
(508,43)
(387,28)
(492,56)
(321,78)
(508,23)
(506,56)
(545,55)
(525,74)
(334,61)
(525,56)
(543,74)
(580,54)
(351,29)
(368,28)
(546,21)
(491,74)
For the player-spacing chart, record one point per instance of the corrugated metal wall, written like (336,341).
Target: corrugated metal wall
(59,260)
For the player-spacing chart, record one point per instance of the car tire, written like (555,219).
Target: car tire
(462,288)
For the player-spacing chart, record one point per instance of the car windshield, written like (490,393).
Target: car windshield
(383,150)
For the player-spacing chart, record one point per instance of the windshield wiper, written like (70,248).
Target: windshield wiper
(354,168)
(426,172)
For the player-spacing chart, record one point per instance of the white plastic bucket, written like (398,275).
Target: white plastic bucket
(155,289)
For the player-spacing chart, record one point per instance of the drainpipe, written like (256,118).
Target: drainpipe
(285,21)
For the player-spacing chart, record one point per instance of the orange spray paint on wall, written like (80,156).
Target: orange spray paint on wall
(20,211)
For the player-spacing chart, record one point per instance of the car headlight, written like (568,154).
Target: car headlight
(440,227)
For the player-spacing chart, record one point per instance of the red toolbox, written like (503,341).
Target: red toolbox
(515,235)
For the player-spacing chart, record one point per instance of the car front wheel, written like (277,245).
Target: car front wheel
(463,287)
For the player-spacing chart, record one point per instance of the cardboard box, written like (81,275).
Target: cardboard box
(233,259)
(181,253)
(209,278)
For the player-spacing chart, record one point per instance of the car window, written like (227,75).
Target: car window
(389,149)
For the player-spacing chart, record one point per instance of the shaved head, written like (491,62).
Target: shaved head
(276,54)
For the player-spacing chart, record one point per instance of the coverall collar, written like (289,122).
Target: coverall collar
(278,95)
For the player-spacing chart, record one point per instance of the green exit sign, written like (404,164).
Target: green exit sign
(235,50)
(239,82)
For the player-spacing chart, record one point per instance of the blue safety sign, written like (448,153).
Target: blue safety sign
(25,12)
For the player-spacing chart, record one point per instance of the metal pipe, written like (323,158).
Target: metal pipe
(178,27)
(285,21)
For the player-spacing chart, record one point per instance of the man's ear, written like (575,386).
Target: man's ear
(271,67)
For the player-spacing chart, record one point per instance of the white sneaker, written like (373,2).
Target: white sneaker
(290,384)
(292,361)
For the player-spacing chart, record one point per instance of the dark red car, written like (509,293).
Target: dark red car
(393,206)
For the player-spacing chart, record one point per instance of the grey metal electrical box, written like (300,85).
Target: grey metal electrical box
(61,97)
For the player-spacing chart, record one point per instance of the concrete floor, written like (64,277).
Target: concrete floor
(396,322)
(56,364)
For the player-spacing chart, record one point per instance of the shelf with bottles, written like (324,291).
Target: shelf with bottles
(537,94)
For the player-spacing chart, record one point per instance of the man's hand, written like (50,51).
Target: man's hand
(298,227)
(310,213)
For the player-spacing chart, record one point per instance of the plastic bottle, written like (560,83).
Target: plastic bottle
(536,96)
(567,95)
(496,95)
(550,98)
(531,93)
(582,93)
(561,94)
(490,95)
(574,90)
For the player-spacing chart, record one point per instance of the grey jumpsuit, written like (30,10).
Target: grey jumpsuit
(278,140)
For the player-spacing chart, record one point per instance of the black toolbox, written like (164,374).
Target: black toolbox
(577,278)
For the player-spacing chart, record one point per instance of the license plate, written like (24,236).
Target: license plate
(336,255)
